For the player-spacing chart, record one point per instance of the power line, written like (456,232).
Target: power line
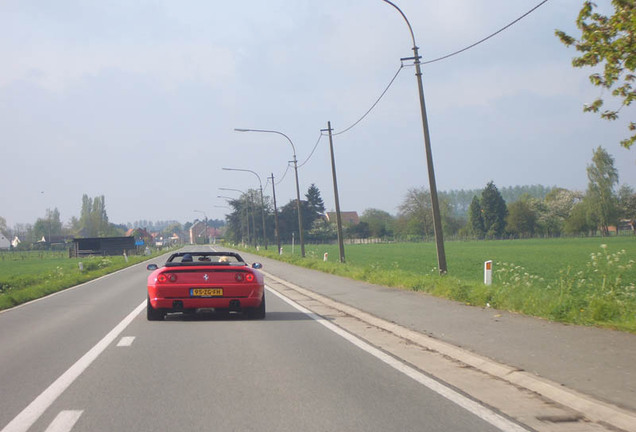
(374,104)
(423,63)
(487,37)
(312,152)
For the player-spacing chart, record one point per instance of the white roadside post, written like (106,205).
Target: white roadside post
(488,273)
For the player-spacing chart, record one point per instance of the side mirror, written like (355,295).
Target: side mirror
(257,265)
(152,267)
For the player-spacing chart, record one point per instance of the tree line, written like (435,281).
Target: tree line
(537,212)
(488,213)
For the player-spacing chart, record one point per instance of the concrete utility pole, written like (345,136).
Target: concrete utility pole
(437,222)
(275,214)
(335,193)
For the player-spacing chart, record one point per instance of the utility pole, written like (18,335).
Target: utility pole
(275,214)
(437,222)
(335,193)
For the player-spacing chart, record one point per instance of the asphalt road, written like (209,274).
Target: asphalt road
(86,359)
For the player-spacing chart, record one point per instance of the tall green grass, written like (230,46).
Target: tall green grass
(590,281)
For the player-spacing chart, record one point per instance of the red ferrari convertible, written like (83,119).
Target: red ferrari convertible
(190,281)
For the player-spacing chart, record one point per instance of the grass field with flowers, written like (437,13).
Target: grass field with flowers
(589,281)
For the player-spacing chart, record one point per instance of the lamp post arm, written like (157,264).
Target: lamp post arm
(246,170)
(269,131)
(405,19)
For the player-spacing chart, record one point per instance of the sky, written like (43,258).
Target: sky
(137,100)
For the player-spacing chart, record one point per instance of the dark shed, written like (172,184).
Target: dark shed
(103,246)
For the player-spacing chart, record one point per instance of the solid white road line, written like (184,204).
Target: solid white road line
(470,405)
(64,421)
(23,421)
(126,341)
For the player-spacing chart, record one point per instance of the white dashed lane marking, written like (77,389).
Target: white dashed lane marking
(126,341)
(29,415)
(64,421)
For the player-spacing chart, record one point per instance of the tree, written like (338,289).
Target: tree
(50,226)
(3,226)
(627,202)
(415,217)
(316,204)
(288,220)
(558,207)
(322,231)
(609,41)
(602,202)
(380,222)
(242,226)
(494,211)
(93,221)
(577,222)
(521,220)
(476,218)
(360,230)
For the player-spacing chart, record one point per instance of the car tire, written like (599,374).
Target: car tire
(257,313)
(153,314)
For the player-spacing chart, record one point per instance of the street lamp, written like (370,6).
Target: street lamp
(437,223)
(262,200)
(207,240)
(300,217)
(248,214)
(227,198)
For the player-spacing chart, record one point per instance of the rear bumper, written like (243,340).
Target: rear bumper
(175,303)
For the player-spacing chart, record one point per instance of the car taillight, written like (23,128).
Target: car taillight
(167,277)
(244,277)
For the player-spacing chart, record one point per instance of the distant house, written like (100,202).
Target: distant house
(198,233)
(141,236)
(5,244)
(348,217)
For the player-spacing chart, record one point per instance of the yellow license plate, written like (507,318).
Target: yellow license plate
(206,292)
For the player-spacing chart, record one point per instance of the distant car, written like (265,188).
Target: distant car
(191,281)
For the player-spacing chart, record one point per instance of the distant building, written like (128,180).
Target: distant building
(103,246)
(348,217)
(5,244)
(200,235)
(197,232)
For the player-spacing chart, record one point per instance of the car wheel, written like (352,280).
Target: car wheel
(258,312)
(153,314)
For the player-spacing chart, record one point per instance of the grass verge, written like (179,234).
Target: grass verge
(577,281)
(26,276)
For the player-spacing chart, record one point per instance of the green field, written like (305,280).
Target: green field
(466,259)
(588,281)
(25,276)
